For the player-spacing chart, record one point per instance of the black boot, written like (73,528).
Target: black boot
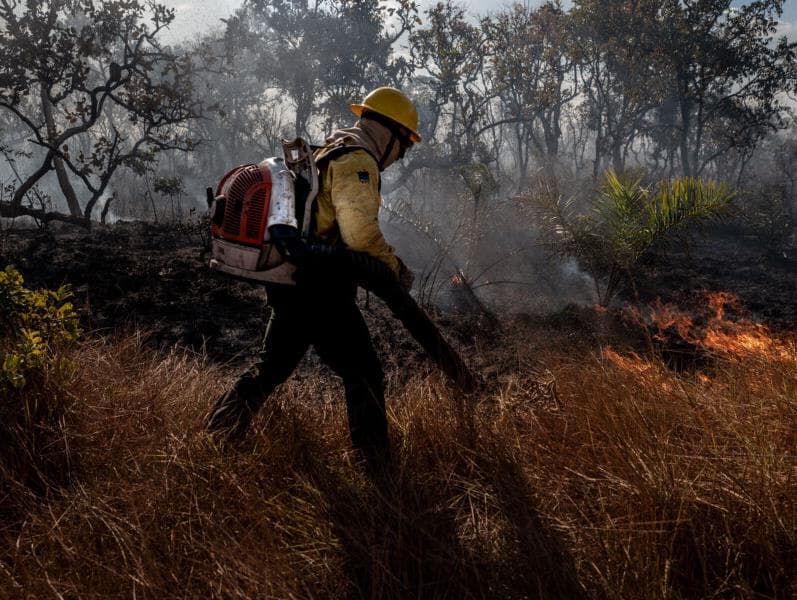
(233,411)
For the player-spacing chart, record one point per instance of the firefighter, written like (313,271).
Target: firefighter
(321,310)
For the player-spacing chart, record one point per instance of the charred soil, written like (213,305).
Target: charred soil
(154,278)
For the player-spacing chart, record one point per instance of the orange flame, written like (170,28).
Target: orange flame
(739,338)
(641,369)
(717,301)
(632,362)
(735,339)
(667,316)
(746,339)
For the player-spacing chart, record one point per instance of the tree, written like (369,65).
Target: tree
(93,88)
(619,64)
(327,54)
(532,73)
(244,115)
(451,51)
(727,76)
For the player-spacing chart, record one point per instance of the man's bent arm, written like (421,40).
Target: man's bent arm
(356,199)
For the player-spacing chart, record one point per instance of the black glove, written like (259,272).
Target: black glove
(405,276)
(290,246)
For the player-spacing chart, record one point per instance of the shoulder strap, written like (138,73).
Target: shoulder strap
(324,154)
(299,159)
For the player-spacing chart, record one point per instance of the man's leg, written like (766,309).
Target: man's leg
(285,343)
(344,343)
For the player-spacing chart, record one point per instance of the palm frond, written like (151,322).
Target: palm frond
(684,200)
(558,215)
(625,220)
(621,195)
(621,208)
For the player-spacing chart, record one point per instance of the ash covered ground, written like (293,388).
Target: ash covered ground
(155,278)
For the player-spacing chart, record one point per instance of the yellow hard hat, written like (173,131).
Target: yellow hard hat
(394,105)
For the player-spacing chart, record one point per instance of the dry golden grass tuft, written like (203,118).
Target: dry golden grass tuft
(578,474)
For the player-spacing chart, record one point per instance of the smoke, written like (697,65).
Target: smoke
(471,255)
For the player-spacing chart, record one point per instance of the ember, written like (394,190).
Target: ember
(457,279)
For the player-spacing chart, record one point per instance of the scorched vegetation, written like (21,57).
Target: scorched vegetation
(582,470)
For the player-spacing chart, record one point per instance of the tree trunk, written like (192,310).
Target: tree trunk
(522,158)
(618,160)
(686,165)
(107,207)
(60,168)
(553,132)
(596,163)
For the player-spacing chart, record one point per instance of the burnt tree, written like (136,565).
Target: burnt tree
(93,89)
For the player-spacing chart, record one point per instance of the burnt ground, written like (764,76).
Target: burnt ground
(138,275)
(153,277)
(727,258)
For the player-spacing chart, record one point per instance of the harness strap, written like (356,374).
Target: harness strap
(328,153)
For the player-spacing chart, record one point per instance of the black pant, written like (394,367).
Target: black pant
(324,315)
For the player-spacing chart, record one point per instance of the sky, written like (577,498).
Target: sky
(195,16)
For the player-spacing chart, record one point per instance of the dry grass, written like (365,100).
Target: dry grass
(579,474)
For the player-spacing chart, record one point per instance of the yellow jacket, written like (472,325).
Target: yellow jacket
(348,205)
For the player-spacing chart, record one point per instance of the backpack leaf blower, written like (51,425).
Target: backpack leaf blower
(260,220)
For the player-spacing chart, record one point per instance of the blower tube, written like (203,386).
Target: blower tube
(372,274)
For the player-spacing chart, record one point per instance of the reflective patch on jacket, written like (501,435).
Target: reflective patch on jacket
(348,206)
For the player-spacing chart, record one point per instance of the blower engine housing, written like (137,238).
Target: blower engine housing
(252,198)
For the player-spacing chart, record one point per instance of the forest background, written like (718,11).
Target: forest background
(634,435)
(108,112)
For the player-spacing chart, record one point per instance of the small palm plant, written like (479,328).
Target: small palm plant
(623,221)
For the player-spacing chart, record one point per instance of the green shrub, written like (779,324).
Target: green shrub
(34,325)
(37,331)
(624,218)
